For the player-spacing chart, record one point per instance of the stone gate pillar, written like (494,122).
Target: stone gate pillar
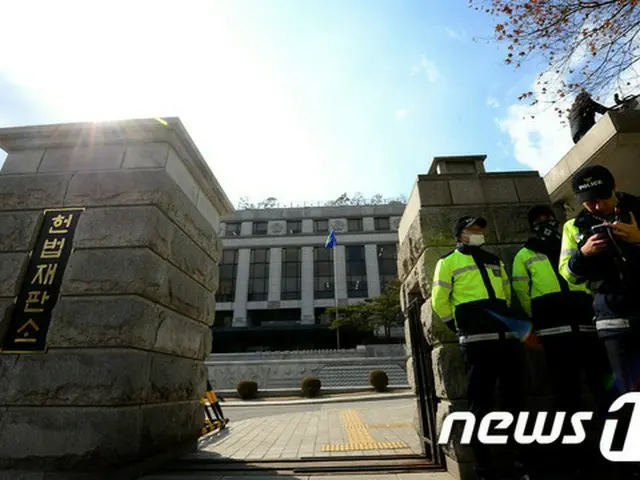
(457,186)
(101,367)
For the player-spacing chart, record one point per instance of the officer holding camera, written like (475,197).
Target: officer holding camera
(561,313)
(601,247)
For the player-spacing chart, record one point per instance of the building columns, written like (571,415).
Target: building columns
(242,288)
(308,312)
(275,274)
(340,274)
(373,272)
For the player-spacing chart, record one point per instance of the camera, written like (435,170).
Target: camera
(602,228)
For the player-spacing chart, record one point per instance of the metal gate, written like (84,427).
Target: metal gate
(423,377)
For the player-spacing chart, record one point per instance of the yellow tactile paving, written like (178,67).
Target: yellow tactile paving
(359,436)
(390,425)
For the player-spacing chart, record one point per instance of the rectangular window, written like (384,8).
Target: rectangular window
(291,273)
(356,272)
(281,317)
(381,223)
(223,319)
(323,273)
(354,225)
(227,284)
(294,226)
(321,226)
(259,275)
(260,228)
(232,229)
(387,263)
(322,317)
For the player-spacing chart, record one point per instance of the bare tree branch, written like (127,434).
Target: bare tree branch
(585,44)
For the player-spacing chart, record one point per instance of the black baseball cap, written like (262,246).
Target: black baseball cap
(539,211)
(593,183)
(467,221)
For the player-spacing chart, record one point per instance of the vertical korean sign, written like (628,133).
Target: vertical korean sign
(27,330)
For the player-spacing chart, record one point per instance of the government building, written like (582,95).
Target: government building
(277,278)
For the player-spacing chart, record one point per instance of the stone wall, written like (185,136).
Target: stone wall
(611,142)
(337,369)
(503,199)
(123,370)
(368,351)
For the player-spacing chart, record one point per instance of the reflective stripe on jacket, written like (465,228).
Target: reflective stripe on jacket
(534,276)
(613,274)
(570,239)
(459,290)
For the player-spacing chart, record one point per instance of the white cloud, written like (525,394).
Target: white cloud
(404,112)
(460,35)
(493,102)
(89,61)
(428,67)
(538,142)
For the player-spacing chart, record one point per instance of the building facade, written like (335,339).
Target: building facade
(277,278)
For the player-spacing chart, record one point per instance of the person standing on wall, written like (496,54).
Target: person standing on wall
(582,115)
(562,316)
(471,292)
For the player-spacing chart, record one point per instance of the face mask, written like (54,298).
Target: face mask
(549,230)
(476,239)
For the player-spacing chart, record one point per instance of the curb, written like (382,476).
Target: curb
(381,396)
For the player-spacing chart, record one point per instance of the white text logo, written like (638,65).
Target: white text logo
(493,428)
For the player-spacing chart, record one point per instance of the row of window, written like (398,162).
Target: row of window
(291,278)
(281,316)
(319,226)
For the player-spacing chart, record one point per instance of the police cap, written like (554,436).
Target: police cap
(467,221)
(593,183)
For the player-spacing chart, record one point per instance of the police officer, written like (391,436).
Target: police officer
(562,316)
(471,293)
(601,246)
(561,313)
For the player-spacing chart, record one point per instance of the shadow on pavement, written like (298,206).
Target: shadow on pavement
(183,470)
(212,438)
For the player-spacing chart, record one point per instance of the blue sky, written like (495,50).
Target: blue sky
(297,99)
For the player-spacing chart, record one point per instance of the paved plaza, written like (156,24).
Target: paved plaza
(242,476)
(372,428)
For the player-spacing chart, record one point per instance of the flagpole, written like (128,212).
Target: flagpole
(335,292)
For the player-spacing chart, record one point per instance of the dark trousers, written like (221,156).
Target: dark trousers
(491,363)
(623,350)
(568,356)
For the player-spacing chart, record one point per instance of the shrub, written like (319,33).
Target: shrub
(379,380)
(247,389)
(311,387)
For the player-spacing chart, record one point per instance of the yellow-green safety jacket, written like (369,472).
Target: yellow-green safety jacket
(469,283)
(613,275)
(554,305)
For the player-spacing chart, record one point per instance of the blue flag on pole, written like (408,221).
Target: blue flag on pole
(331,240)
